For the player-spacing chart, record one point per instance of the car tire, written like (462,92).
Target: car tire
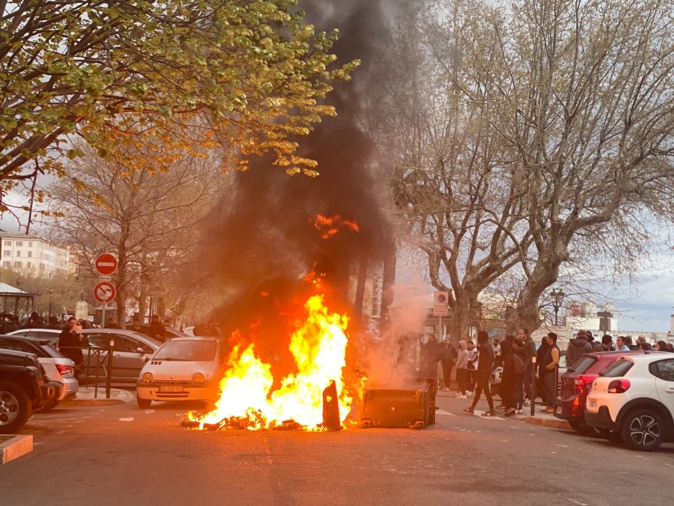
(47,407)
(643,430)
(15,407)
(144,403)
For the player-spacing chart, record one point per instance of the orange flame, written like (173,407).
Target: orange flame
(330,226)
(318,346)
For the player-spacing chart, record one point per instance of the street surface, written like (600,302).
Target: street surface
(122,455)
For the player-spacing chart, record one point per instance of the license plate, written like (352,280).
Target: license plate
(558,410)
(170,388)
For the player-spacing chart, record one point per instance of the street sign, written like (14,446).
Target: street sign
(106,264)
(104,292)
(440,304)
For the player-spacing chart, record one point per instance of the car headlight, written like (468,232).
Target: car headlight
(198,378)
(147,377)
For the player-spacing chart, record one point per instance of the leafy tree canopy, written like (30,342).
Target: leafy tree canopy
(247,75)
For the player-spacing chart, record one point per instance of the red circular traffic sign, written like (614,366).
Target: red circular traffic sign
(106,264)
(104,292)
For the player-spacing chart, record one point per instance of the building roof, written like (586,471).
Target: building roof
(9,289)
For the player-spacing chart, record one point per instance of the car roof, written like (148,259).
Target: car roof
(646,356)
(198,338)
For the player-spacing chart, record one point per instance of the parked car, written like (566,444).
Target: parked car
(634,396)
(575,385)
(184,369)
(169,331)
(57,367)
(132,349)
(50,336)
(23,388)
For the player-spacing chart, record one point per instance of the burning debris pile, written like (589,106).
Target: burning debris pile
(306,399)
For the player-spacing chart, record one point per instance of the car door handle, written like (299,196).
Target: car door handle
(669,390)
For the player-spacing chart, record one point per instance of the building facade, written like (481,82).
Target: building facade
(33,255)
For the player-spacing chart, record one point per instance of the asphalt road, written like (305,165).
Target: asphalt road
(122,455)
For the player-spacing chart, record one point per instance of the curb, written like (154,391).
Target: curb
(85,397)
(92,402)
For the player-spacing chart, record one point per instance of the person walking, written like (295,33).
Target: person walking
(483,372)
(507,388)
(551,362)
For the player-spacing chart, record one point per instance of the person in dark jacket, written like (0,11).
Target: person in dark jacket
(70,345)
(577,347)
(540,353)
(550,363)
(447,358)
(157,330)
(430,356)
(485,366)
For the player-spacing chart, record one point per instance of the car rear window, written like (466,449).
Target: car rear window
(583,364)
(192,351)
(51,351)
(617,368)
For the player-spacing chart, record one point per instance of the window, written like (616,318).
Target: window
(19,243)
(7,253)
(663,369)
(18,253)
(583,364)
(617,369)
(6,265)
(30,254)
(30,244)
(8,243)
(17,264)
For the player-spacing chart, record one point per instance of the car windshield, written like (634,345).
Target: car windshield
(192,351)
(617,369)
(583,364)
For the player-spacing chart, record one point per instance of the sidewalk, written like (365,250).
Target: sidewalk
(87,396)
(539,418)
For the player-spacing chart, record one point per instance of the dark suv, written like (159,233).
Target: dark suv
(23,388)
(576,384)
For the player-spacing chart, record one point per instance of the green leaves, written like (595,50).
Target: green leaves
(253,68)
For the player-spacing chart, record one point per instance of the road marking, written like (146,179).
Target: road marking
(578,502)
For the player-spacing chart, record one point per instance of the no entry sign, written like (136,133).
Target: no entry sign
(104,292)
(106,264)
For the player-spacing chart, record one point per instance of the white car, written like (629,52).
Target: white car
(634,397)
(183,369)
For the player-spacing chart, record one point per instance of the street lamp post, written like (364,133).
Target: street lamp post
(51,292)
(557,299)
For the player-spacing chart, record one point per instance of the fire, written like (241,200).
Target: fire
(330,226)
(318,346)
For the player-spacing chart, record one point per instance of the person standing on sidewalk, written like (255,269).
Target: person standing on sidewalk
(550,363)
(462,369)
(529,353)
(447,357)
(483,372)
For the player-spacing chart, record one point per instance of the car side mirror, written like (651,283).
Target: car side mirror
(147,359)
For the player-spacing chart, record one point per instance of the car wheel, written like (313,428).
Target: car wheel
(144,403)
(643,430)
(15,407)
(47,407)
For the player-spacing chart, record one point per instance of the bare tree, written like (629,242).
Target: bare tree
(149,219)
(518,131)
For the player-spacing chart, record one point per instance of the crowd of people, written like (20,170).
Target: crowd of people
(512,357)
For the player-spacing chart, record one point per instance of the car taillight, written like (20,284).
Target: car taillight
(584,381)
(618,386)
(64,370)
